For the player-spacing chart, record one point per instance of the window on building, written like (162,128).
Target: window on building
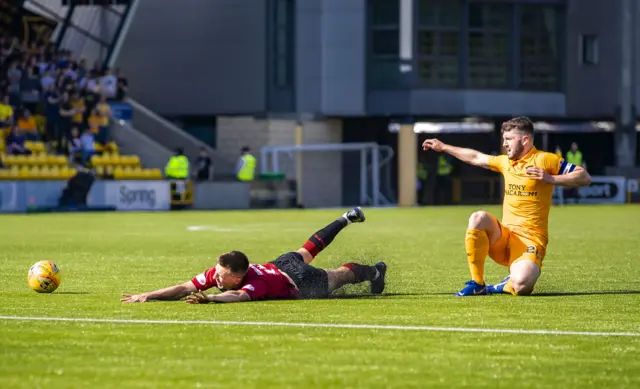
(384,41)
(588,49)
(488,45)
(438,42)
(540,47)
(283,43)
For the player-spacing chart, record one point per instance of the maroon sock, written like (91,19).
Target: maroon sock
(321,239)
(362,272)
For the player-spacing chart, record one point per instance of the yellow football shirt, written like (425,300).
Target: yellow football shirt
(527,202)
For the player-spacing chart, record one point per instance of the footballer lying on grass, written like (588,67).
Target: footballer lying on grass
(288,277)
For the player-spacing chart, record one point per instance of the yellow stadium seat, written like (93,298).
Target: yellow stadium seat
(36,147)
(24,172)
(98,147)
(118,173)
(61,160)
(125,160)
(40,159)
(64,170)
(100,171)
(9,160)
(34,172)
(5,174)
(71,173)
(106,159)
(96,160)
(14,173)
(116,159)
(156,174)
(46,173)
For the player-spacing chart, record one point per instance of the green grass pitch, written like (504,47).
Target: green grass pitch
(590,282)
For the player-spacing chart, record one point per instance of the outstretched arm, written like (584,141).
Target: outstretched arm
(175,292)
(578,177)
(230,296)
(470,156)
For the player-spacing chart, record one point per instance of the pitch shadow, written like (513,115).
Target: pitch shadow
(595,293)
(370,296)
(70,293)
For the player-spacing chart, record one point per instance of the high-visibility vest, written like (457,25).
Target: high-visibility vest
(248,169)
(177,167)
(444,167)
(574,158)
(422,172)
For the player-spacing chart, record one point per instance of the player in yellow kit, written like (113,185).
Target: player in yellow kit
(519,242)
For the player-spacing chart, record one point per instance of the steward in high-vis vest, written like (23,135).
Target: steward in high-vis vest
(444,183)
(574,155)
(246,167)
(178,166)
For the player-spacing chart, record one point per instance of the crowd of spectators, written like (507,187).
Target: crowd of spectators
(48,95)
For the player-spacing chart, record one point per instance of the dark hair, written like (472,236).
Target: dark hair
(246,149)
(521,123)
(235,261)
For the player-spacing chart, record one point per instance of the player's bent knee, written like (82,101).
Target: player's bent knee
(522,289)
(306,255)
(479,219)
(523,284)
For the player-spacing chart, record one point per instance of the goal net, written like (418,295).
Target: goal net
(327,175)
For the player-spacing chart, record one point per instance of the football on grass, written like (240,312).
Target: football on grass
(44,277)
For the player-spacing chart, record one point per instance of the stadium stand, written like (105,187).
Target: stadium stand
(71,117)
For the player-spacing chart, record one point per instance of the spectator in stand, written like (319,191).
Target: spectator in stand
(109,83)
(14,76)
(204,166)
(52,111)
(64,124)
(6,116)
(90,90)
(81,69)
(94,123)
(123,86)
(79,109)
(104,109)
(27,126)
(48,80)
(75,146)
(88,150)
(30,88)
(16,143)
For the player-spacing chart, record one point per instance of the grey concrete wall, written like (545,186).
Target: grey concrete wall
(197,57)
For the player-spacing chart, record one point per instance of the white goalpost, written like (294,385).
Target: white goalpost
(374,165)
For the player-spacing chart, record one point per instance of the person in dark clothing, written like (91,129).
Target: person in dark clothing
(204,166)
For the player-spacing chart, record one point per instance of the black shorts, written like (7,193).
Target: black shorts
(311,281)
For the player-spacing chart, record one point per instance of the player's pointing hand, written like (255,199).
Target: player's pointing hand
(539,174)
(432,144)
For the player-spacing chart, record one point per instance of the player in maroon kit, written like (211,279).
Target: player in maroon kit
(288,277)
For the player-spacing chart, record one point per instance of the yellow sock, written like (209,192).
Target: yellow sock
(476,242)
(508,288)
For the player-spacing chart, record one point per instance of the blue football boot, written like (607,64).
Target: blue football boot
(498,288)
(472,289)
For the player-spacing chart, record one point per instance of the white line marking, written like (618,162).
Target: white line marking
(326,325)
